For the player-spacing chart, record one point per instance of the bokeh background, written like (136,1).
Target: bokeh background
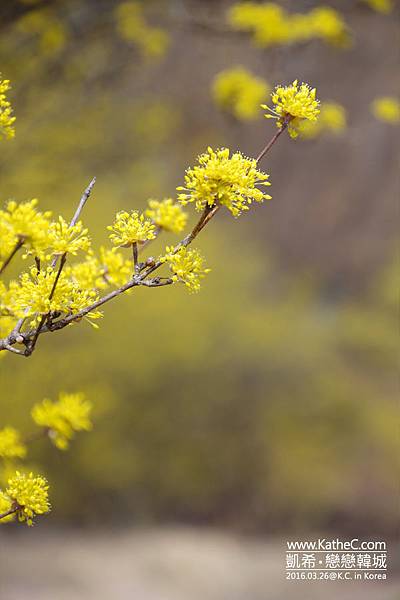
(266,405)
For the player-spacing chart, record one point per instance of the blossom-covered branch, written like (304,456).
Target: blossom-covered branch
(49,298)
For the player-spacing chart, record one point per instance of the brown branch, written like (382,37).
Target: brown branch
(9,512)
(18,245)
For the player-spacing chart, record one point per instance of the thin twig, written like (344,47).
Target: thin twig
(272,141)
(9,512)
(18,245)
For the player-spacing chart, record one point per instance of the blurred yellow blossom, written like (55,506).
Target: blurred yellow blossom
(69,414)
(382,6)
(386,109)
(6,117)
(292,103)
(167,215)
(11,445)
(132,27)
(332,119)
(270,24)
(223,179)
(239,92)
(187,266)
(30,494)
(131,228)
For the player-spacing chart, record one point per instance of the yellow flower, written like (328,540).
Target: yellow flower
(6,119)
(24,222)
(187,266)
(292,103)
(386,109)
(239,92)
(167,215)
(66,238)
(30,493)
(382,6)
(5,505)
(271,25)
(11,445)
(132,27)
(223,179)
(69,414)
(31,295)
(332,119)
(131,228)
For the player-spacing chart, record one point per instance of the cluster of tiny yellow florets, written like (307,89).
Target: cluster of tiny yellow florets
(386,108)
(69,414)
(131,228)
(240,93)
(167,215)
(187,266)
(133,28)
(224,179)
(68,238)
(6,113)
(291,104)
(29,495)
(11,444)
(271,25)
(35,295)
(332,119)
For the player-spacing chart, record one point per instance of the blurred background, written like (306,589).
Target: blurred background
(266,406)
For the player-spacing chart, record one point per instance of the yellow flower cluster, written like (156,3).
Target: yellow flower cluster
(382,6)
(132,27)
(224,180)
(66,238)
(240,93)
(109,269)
(187,266)
(23,222)
(270,24)
(332,119)
(30,296)
(69,414)
(386,109)
(11,445)
(167,215)
(131,228)
(30,494)
(291,104)
(6,117)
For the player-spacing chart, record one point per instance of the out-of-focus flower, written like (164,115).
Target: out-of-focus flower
(69,414)
(239,92)
(187,266)
(382,6)
(132,27)
(131,228)
(6,117)
(223,179)
(167,215)
(30,493)
(270,24)
(332,119)
(293,103)
(386,109)
(11,445)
